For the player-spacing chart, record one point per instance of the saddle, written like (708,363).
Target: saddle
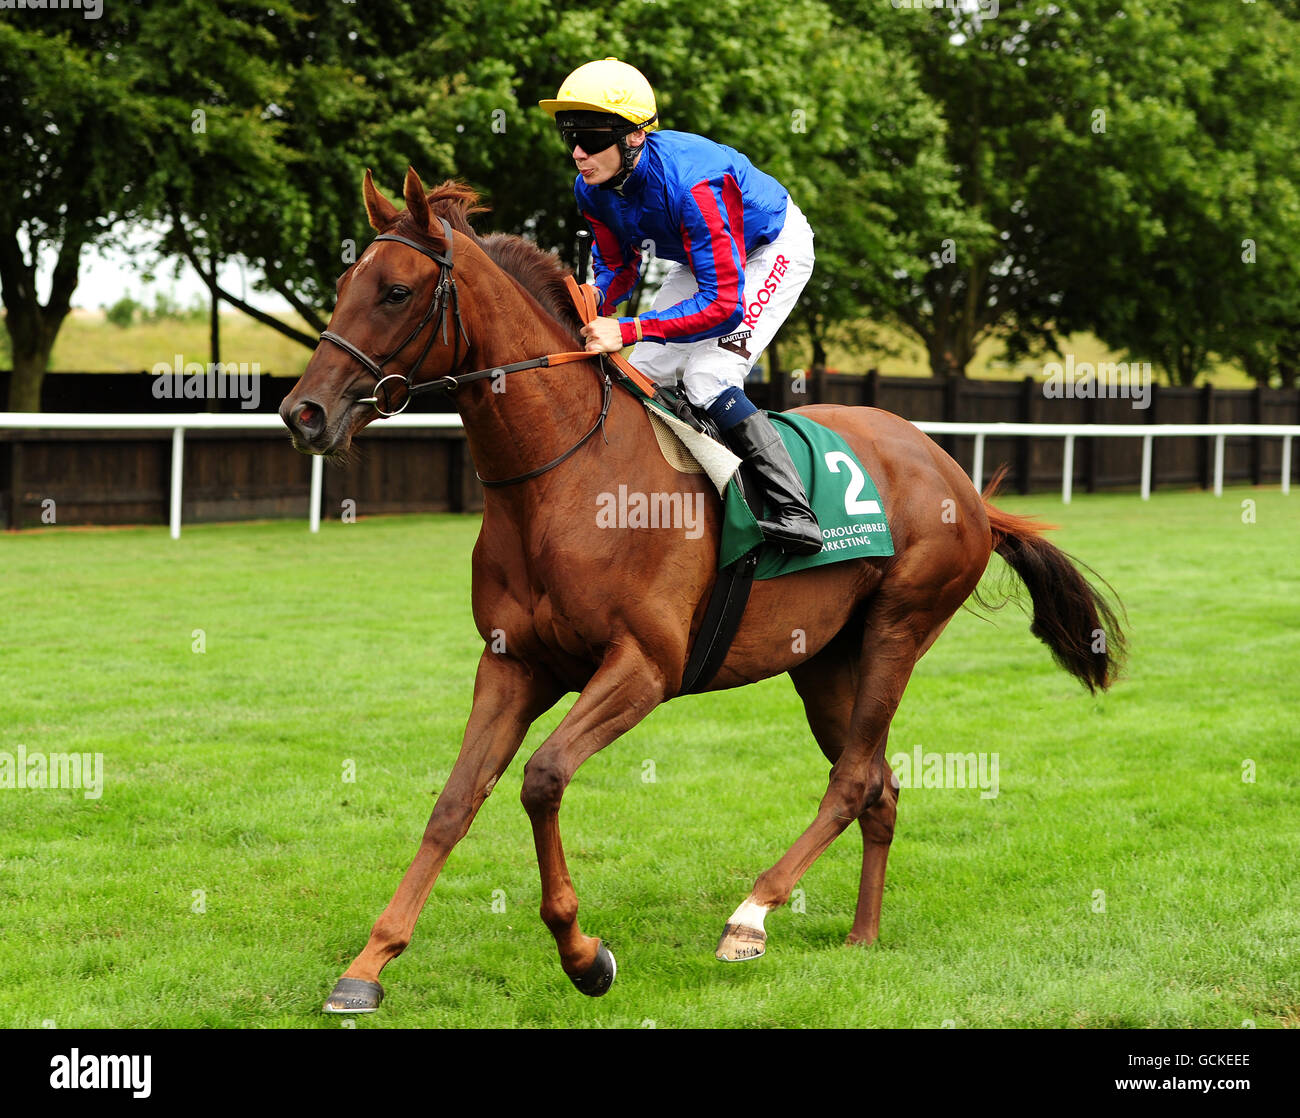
(676,402)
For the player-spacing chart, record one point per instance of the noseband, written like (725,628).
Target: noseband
(445,295)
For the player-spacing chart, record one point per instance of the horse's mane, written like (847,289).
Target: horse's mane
(540,273)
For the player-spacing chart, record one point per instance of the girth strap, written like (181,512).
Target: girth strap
(726,608)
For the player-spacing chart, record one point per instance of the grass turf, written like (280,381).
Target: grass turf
(1125,874)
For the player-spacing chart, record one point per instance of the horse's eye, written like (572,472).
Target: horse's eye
(398,295)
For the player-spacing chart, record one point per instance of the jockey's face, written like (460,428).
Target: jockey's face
(604,165)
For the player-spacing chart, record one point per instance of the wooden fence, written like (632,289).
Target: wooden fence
(123,477)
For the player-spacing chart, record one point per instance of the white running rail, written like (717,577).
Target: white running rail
(178,424)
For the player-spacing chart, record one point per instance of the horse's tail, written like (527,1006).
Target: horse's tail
(1071,616)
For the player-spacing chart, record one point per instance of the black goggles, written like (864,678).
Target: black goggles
(591,140)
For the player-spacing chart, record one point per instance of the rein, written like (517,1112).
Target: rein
(444,296)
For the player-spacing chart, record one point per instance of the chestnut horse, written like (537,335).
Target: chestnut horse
(611,613)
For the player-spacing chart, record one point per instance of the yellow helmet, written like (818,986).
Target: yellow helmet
(608,86)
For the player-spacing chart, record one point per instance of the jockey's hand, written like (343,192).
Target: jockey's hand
(604,335)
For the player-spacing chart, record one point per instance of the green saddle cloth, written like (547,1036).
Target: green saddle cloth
(843,498)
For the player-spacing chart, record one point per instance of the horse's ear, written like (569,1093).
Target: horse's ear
(380,210)
(417,204)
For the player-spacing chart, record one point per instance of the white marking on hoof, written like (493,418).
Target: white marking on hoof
(743,937)
(750,914)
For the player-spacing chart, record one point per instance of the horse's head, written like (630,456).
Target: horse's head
(388,322)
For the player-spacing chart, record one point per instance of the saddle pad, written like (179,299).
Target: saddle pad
(672,447)
(842,494)
(689,451)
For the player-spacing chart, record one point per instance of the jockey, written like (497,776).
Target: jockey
(741,252)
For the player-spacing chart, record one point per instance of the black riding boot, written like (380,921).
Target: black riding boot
(793,526)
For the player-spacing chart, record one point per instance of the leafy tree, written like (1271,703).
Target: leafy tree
(837,117)
(246,158)
(831,113)
(1115,150)
(1015,92)
(98,119)
(122,313)
(1204,209)
(834,116)
(952,165)
(66,123)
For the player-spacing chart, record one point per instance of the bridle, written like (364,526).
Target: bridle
(444,296)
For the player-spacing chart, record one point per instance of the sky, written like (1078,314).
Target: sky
(107,274)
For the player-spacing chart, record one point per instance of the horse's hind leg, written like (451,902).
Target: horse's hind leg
(877,824)
(828,685)
(897,633)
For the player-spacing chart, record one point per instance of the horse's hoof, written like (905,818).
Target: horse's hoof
(600,976)
(739,943)
(354,995)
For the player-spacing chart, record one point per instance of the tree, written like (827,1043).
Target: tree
(96,118)
(1205,212)
(262,161)
(832,115)
(1115,150)
(1015,92)
(56,106)
(831,112)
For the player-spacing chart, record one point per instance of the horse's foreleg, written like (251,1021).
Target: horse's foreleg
(623,691)
(507,698)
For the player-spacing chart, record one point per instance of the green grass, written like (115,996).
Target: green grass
(88,343)
(224,774)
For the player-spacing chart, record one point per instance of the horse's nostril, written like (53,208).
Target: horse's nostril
(309,419)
